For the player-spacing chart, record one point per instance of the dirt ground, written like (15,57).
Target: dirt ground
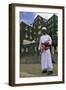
(34,70)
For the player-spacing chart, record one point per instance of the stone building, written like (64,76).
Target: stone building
(52,26)
(27,39)
(30,34)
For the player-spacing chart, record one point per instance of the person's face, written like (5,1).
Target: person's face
(43,31)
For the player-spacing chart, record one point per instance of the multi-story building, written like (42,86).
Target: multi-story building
(29,34)
(52,26)
(38,23)
(26,31)
(52,23)
(27,39)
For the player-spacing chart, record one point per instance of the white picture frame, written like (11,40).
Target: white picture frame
(14,45)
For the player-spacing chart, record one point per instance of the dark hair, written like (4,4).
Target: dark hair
(43,31)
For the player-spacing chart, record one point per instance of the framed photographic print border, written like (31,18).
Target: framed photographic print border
(12,43)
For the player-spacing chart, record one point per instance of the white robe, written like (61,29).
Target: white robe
(46,60)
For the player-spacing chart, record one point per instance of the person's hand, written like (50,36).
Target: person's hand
(39,48)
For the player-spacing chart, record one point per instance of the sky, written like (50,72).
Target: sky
(28,17)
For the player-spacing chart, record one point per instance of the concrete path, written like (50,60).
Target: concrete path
(34,70)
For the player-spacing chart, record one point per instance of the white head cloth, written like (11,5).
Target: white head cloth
(44,28)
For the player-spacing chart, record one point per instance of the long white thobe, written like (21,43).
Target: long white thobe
(46,60)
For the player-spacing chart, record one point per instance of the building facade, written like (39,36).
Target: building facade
(30,34)
(52,26)
(27,39)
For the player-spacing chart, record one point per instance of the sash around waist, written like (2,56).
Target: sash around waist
(45,46)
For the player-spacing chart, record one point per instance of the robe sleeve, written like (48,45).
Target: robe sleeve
(50,40)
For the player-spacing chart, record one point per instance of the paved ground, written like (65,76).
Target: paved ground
(30,66)
(34,70)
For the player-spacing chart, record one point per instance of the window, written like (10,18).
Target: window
(39,22)
(39,26)
(30,37)
(39,32)
(52,24)
(34,26)
(22,50)
(26,35)
(26,28)
(34,33)
(26,49)
(35,49)
(30,30)
(35,38)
